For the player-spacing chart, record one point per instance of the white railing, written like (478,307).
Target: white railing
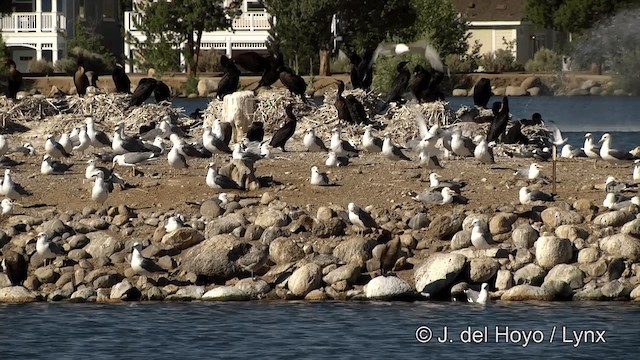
(33,22)
(251,21)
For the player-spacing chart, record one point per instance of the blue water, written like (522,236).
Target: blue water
(577,115)
(292,330)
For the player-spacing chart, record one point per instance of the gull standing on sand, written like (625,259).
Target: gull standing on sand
(133,159)
(99,191)
(483,151)
(176,157)
(66,142)
(461,145)
(47,248)
(480,239)
(318,178)
(11,189)
(636,171)
(369,142)
(98,138)
(54,149)
(312,142)
(341,147)
(360,218)
(142,265)
(527,196)
(610,154)
(589,148)
(391,151)
(478,297)
(84,140)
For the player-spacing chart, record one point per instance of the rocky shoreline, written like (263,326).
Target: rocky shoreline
(577,252)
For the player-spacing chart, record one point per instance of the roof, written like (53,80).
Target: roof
(491,10)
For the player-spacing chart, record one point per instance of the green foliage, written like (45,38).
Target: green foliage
(439,22)
(501,60)
(465,63)
(545,60)
(92,61)
(4,54)
(40,66)
(87,42)
(385,71)
(340,65)
(191,85)
(168,25)
(210,61)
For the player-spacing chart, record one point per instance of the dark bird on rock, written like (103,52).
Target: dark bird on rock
(230,80)
(121,80)
(80,79)
(482,92)
(341,104)
(514,135)
(499,123)
(536,119)
(143,91)
(272,73)
(287,130)
(256,131)
(15,266)
(14,79)
(294,82)
(161,92)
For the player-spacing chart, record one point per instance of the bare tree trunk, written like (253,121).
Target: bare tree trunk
(197,53)
(325,61)
(596,68)
(189,56)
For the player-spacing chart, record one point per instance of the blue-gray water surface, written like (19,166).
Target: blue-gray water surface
(331,330)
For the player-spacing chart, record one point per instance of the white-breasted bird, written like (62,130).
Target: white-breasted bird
(610,154)
(480,238)
(47,248)
(318,178)
(341,147)
(532,172)
(592,151)
(312,142)
(219,181)
(461,145)
(7,205)
(142,265)
(12,189)
(527,196)
(360,218)
(54,149)
(84,140)
(391,151)
(98,138)
(478,297)
(51,166)
(636,171)
(483,151)
(369,142)
(335,160)
(99,190)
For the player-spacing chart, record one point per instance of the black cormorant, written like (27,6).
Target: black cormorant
(499,123)
(121,80)
(143,91)
(80,78)
(14,79)
(341,104)
(294,82)
(482,92)
(256,131)
(15,266)
(252,61)
(287,130)
(161,91)
(230,80)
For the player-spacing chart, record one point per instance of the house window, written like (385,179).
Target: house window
(46,5)
(26,58)
(253,5)
(22,6)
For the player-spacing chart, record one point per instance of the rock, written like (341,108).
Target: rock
(530,274)
(621,245)
(419,221)
(555,216)
(482,269)
(595,269)
(316,295)
(327,228)
(596,90)
(324,213)
(444,227)
(82,294)
(348,272)
(46,275)
(210,209)
(182,238)
(226,293)
(305,279)
(16,294)
(631,228)
(213,257)
(526,293)
(531,81)
(515,91)
(272,218)
(438,271)
(571,232)
(589,295)
(551,251)
(567,273)
(504,280)
(459,92)
(587,84)
(534,91)
(524,236)
(203,88)
(254,288)
(387,288)
(224,225)
(501,223)
(620,92)
(54,227)
(613,289)
(354,250)
(588,255)
(461,240)
(635,293)
(613,218)
(102,245)
(558,288)
(284,250)
(125,291)
(578,92)
(77,241)
(106,281)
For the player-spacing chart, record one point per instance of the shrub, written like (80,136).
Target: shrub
(545,60)
(92,62)
(340,65)
(627,75)
(385,70)
(191,85)
(40,66)
(209,61)
(501,60)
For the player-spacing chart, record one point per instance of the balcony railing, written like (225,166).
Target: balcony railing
(250,21)
(33,22)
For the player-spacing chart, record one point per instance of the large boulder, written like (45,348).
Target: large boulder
(305,279)
(445,226)
(438,271)
(526,293)
(482,269)
(567,273)
(272,217)
(524,236)
(102,244)
(348,273)
(214,257)
(551,251)
(555,216)
(182,238)
(226,293)
(16,294)
(387,288)
(356,250)
(621,245)
(530,274)
(631,228)
(224,225)
(613,218)
(284,250)
(501,223)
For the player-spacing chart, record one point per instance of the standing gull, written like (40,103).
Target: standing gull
(176,157)
(219,181)
(11,189)
(214,144)
(312,142)
(133,159)
(480,238)
(254,259)
(483,151)
(610,154)
(84,140)
(478,297)
(341,147)
(369,142)
(392,152)
(590,149)
(98,138)
(47,248)
(99,191)
(636,171)
(142,265)
(318,178)
(527,196)
(461,145)
(54,149)
(360,218)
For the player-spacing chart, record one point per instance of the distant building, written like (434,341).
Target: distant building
(495,23)
(250,32)
(38,29)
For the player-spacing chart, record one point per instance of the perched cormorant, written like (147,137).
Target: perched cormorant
(514,135)
(252,61)
(272,73)
(256,131)
(536,119)
(143,91)
(294,82)
(420,82)
(121,80)
(230,80)
(341,104)
(287,130)
(482,92)
(399,84)
(15,266)
(80,79)
(356,110)
(14,79)
(499,123)
(161,91)
(361,70)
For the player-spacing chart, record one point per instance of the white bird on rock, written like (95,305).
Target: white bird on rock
(360,218)
(142,265)
(480,238)
(47,249)
(478,297)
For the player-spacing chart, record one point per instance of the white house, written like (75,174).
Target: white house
(38,29)
(250,32)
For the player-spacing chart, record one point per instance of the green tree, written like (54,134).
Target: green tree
(180,24)
(439,22)
(86,43)
(5,9)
